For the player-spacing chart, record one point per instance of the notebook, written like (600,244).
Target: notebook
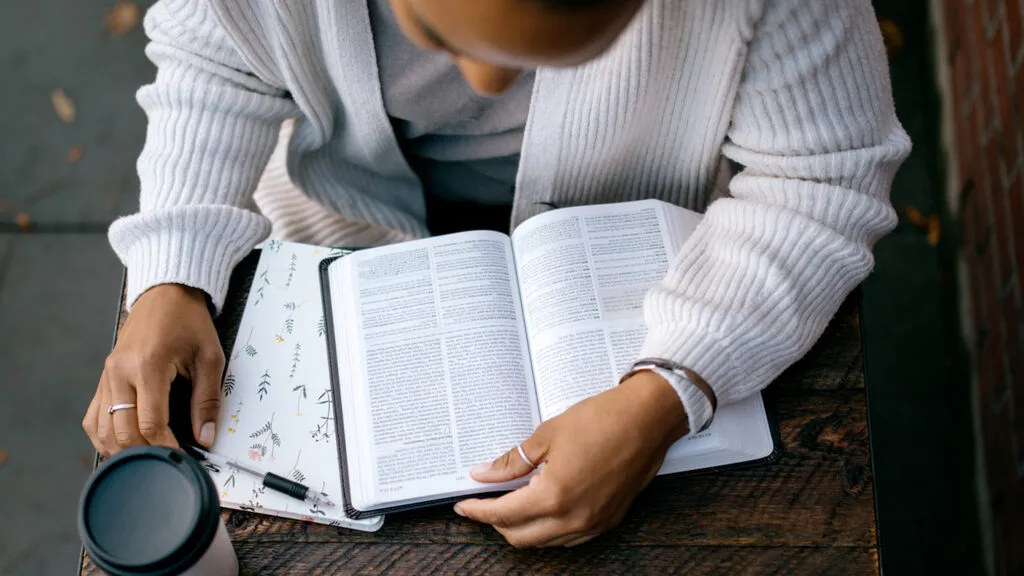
(277,404)
(448,351)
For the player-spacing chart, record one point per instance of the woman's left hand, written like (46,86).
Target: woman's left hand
(598,455)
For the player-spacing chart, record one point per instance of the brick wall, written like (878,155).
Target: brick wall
(985,55)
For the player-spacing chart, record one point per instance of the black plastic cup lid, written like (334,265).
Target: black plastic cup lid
(148,511)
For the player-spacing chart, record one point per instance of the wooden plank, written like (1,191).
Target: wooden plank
(819,495)
(397,559)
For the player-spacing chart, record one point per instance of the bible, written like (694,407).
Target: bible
(448,351)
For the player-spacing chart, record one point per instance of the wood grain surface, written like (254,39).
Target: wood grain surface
(812,512)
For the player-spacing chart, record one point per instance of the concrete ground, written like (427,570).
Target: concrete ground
(59,282)
(65,182)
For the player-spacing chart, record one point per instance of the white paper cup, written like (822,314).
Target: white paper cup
(153,511)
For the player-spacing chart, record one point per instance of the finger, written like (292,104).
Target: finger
(582,539)
(542,532)
(89,422)
(104,424)
(511,464)
(513,509)
(570,540)
(125,422)
(154,407)
(206,375)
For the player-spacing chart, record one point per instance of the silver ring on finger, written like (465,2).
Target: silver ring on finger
(522,454)
(116,407)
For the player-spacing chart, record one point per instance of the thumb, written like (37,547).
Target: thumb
(511,464)
(207,370)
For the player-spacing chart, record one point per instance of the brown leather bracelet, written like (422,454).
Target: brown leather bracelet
(694,378)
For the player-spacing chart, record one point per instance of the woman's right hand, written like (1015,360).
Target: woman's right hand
(168,333)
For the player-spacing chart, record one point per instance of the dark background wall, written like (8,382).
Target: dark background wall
(985,53)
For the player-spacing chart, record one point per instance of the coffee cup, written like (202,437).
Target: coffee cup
(154,511)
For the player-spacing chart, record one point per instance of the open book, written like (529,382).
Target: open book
(448,351)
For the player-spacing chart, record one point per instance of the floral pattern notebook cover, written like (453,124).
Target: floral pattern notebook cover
(277,411)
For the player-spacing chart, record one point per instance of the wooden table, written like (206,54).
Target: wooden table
(813,512)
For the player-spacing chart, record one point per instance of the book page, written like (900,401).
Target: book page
(437,359)
(583,274)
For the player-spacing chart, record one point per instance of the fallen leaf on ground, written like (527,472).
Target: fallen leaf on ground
(122,18)
(75,154)
(934,230)
(23,221)
(892,36)
(915,216)
(63,105)
(3,457)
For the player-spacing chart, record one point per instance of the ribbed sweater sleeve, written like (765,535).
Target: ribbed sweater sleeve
(814,126)
(212,127)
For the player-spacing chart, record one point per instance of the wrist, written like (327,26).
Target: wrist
(177,292)
(661,407)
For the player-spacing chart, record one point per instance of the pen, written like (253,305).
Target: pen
(270,480)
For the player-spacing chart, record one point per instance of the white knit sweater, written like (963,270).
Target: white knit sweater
(796,91)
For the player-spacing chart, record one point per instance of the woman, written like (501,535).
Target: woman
(590,101)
